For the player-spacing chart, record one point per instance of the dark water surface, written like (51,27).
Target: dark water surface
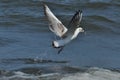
(25,41)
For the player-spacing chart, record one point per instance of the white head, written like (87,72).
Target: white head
(80,29)
(77,31)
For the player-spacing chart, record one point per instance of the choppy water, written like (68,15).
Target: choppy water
(25,41)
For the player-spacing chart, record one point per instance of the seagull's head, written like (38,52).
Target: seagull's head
(80,29)
(77,31)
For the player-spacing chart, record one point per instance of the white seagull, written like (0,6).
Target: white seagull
(66,34)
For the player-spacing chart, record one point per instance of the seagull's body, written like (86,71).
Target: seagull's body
(56,26)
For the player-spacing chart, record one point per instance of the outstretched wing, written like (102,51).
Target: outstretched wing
(55,25)
(76,19)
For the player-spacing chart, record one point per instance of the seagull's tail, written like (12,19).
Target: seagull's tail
(57,45)
(61,42)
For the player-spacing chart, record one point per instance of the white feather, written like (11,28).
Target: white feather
(55,25)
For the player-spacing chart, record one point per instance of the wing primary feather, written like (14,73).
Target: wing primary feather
(76,19)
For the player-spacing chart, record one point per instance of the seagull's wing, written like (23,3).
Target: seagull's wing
(76,19)
(55,25)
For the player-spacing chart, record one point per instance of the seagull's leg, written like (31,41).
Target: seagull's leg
(61,48)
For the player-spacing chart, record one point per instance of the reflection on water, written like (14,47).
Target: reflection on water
(25,41)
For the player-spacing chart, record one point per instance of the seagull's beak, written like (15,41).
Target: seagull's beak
(82,30)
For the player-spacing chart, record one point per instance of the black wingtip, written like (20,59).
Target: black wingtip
(79,11)
(44,5)
(76,19)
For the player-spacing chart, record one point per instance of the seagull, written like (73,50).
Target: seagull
(66,34)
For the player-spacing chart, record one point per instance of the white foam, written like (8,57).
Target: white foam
(89,74)
(23,76)
(94,74)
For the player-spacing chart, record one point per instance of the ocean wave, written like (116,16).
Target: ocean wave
(30,61)
(100,18)
(6,41)
(92,73)
(100,23)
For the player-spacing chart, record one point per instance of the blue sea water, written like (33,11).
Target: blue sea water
(26,52)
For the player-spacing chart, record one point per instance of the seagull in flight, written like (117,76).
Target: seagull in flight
(66,34)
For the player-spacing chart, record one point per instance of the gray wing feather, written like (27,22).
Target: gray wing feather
(76,19)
